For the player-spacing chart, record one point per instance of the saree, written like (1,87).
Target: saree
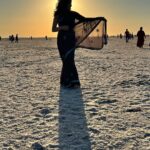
(91,34)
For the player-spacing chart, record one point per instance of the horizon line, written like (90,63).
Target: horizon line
(26,37)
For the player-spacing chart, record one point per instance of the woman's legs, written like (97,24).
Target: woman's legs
(69,74)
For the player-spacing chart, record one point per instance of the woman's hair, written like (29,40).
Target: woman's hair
(62,6)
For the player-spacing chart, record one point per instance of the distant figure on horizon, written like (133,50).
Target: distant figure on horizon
(11,38)
(63,23)
(16,38)
(120,36)
(0,38)
(127,35)
(141,37)
(46,37)
(132,36)
(31,38)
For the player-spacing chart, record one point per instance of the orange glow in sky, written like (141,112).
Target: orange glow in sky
(34,17)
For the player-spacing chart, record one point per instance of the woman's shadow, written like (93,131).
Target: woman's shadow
(73,130)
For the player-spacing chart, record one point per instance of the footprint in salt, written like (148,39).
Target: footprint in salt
(37,146)
(147,135)
(93,112)
(45,111)
(136,109)
(106,101)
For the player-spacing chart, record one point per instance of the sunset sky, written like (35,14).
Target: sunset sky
(34,17)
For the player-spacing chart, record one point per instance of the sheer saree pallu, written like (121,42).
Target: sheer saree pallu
(91,34)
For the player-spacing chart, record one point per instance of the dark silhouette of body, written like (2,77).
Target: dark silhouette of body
(127,35)
(132,36)
(120,36)
(63,23)
(140,37)
(16,38)
(0,38)
(46,37)
(11,38)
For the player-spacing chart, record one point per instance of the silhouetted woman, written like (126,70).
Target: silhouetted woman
(64,22)
(141,37)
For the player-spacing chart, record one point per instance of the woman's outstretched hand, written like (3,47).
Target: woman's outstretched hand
(102,18)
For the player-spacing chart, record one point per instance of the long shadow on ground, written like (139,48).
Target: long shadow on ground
(73,131)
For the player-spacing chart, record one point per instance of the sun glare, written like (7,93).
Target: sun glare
(75,4)
(54,3)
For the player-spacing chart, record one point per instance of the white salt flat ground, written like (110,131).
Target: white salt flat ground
(111,111)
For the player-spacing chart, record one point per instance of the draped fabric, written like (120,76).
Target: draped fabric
(91,34)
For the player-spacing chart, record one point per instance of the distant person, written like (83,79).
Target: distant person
(46,37)
(140,38)
(31,38)
(11,38)
(132,36)
(107,36)
(16,38)
(120,36)
(0,38)
(63,23)
(127,35)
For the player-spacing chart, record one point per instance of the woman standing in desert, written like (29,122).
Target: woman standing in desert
(63,23)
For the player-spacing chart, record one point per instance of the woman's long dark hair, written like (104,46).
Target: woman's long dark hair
(62,7)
